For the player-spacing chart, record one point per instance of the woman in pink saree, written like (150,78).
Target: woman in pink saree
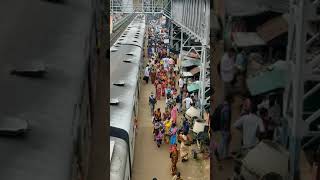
(174,113)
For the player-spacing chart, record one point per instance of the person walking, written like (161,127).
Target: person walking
(179,102)
(250,124)
(174,155)
(152,103)
(173,135)
(177,176)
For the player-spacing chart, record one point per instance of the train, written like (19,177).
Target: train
(126,64)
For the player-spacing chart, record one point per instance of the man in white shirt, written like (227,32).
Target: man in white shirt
(181,84)
(188,102)
(227,68)
(250,125)
(146,74)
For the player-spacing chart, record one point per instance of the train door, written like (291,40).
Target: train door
(133,132)
(127,171)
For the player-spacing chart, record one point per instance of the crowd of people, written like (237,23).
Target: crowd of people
(161,72)
(258,119)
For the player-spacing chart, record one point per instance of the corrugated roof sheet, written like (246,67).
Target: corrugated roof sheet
(253,7)
(189,63)
(273,28)
(247,39)
(243,7)
(280,6)
(268,80)
(195,70)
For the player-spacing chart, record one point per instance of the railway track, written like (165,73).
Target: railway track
(119,30)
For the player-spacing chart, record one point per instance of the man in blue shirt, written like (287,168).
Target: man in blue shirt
(225,127)
(241,61)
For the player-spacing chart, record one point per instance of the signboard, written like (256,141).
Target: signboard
(166,41)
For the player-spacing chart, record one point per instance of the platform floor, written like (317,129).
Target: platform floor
(151,161)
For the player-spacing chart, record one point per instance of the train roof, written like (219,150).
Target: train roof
(55,35)
(118,158)
(126,72)
(134,34)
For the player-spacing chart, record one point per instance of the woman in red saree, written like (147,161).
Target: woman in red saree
(158,92)
(163,87)
(174,155)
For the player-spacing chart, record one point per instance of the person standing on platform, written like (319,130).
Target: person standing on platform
(153,74)
(227,68)
(174,113)
(179,102)
(181,84)
(146,74)
(184,148)
(225,128)
(188,102)
(152,103)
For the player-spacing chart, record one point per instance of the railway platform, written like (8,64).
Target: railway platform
(153,162)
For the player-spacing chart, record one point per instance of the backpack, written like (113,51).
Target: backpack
(215,123)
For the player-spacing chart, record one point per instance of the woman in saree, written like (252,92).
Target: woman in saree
(166,114)
(153,75)
(163,87)
(174,113)
(173,82)
(157,114)
(167,124)
(158,91)
(184,149)
(174,155)
(173,135)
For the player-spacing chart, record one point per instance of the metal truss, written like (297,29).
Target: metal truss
(301,71)
(147,7)
(191,15)
(189,45)
(188,17)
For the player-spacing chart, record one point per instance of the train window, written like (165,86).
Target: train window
(119,83)
(135,41)
(120,39)
(129,54)
(127,61)
(114,50)
(114,101)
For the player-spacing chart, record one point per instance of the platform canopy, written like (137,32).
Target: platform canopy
(275,77)
(247,39)
(189,63)
(193,87)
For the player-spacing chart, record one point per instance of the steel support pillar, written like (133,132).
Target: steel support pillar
(294,93)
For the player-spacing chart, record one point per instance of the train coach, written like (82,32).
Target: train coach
(126,59)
